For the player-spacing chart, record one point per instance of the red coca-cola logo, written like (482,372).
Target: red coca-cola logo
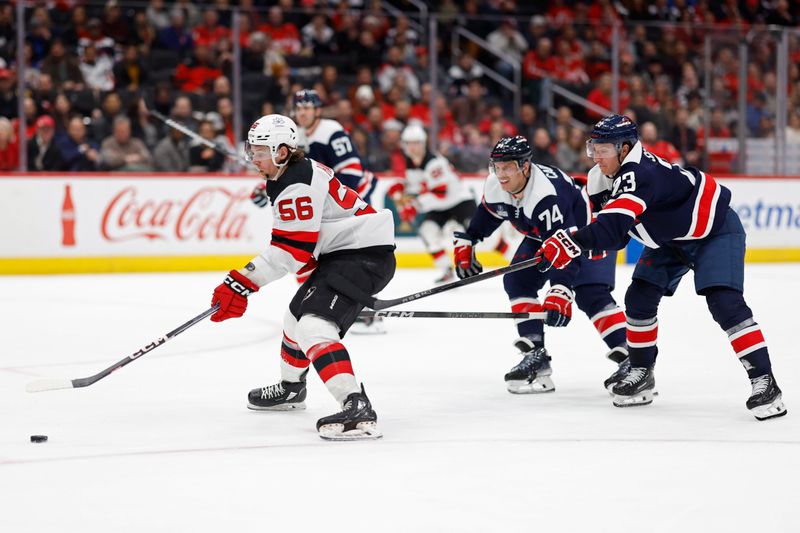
(210,213)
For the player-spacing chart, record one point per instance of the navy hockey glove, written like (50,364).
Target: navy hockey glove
(464,256)
(259,195)
(231,295)
(557,251)
(558,305)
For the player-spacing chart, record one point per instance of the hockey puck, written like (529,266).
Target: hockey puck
(38,438)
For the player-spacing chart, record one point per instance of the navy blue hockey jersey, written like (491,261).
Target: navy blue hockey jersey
(652,201)
(550,201)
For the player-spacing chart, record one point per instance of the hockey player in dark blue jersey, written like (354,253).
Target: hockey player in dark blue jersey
(539,200)
(683,218)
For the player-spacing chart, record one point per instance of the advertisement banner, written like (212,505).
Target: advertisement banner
(130,222)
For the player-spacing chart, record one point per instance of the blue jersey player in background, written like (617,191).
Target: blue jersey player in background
(684,219)
(539,200)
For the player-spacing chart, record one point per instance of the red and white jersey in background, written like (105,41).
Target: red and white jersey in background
(314,214)
(435,184)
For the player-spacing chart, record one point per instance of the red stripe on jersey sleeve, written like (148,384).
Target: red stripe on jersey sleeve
(704,208)
(301,256)
(627,204)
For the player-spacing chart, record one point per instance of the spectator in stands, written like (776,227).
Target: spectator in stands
(97,71)
(793,127)
(77,27)
(62,114)
(80,154)
(201,157)
(183,112)
(363,99)
(114,23)
(543,148)
(318,37)
(659,147)
(464,71)
(158,15)
(39,36)
(393,68)
(122,152)
(528,121)
(571,155)
(190,11)
(8,94)
(62,68)
(225,111)
(172,152)
(510,43)
(43,154)
(369,51)
(684,138)
(44,93)
(94,34)
(9,149)
(601,95)
(143,34)
(175,36)
(142,126)
(756,110)
(129,73)
(210,31)
(196,74)
(493,114)
(471,108)
(539,63)
(473,154)
(284,35)
(103,119)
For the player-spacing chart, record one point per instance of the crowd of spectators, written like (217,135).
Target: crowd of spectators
(92,69)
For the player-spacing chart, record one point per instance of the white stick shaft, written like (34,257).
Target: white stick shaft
(40,385)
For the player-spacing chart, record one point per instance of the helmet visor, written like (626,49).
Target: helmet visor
(256,152)
(600,149)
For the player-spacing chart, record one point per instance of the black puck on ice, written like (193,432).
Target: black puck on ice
(38,438)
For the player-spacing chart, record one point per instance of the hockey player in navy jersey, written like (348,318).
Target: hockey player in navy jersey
(539,200)
(684,219)
(319,224)
(432,188)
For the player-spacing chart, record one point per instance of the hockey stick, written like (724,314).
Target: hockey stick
(347,287)
(46,384)
(192,135)
(451,314)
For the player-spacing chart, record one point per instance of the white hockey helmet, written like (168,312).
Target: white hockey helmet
(273,131)
(414,133)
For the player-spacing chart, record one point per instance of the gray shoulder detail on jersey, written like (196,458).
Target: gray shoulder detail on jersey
(539,187)
(324,131)
(635,155)
(596,182)
(437,160)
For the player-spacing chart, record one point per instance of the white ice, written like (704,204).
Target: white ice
(166,443)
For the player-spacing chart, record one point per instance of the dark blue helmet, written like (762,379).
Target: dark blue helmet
(511,149)
(613,129)
(307,97)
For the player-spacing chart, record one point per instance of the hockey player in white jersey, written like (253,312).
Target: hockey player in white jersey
(431,187)
(319,224)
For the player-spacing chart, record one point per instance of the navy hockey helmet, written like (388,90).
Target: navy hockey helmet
(511,149)
(613,129)
(307,97)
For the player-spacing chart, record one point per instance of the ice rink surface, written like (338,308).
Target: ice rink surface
(166,443)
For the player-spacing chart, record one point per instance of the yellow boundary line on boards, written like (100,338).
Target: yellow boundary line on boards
(88,265)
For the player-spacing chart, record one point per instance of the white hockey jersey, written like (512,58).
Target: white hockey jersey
(314,214)
(329,144)
(435,184)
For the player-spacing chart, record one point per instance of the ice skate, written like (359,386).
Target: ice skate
(446,276)
(368,326)
(283,396)
(616,377)
(765,402)
(532,374)
(356,420)
(635,388)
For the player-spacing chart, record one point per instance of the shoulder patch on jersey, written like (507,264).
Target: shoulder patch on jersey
(324,131)
(298,173)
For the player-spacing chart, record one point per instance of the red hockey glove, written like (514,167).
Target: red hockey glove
(464,257)
(408,212)
(397,191)
(231,295)
(557,251)
(259,195)
(558,305)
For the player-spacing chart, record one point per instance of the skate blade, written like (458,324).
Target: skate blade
(642,398)
(611,392)
(362,431)
(773,410)
(539,385)
(282,407)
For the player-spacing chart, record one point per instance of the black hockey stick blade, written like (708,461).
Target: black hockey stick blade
(46,384)
(451,314)
(348,288)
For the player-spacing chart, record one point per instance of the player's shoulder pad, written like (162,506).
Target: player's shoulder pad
(597,182)
(541,191)
(492,192)
(300,173)
(432,161)
(326,130)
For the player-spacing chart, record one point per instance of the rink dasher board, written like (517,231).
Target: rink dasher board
(128,222)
